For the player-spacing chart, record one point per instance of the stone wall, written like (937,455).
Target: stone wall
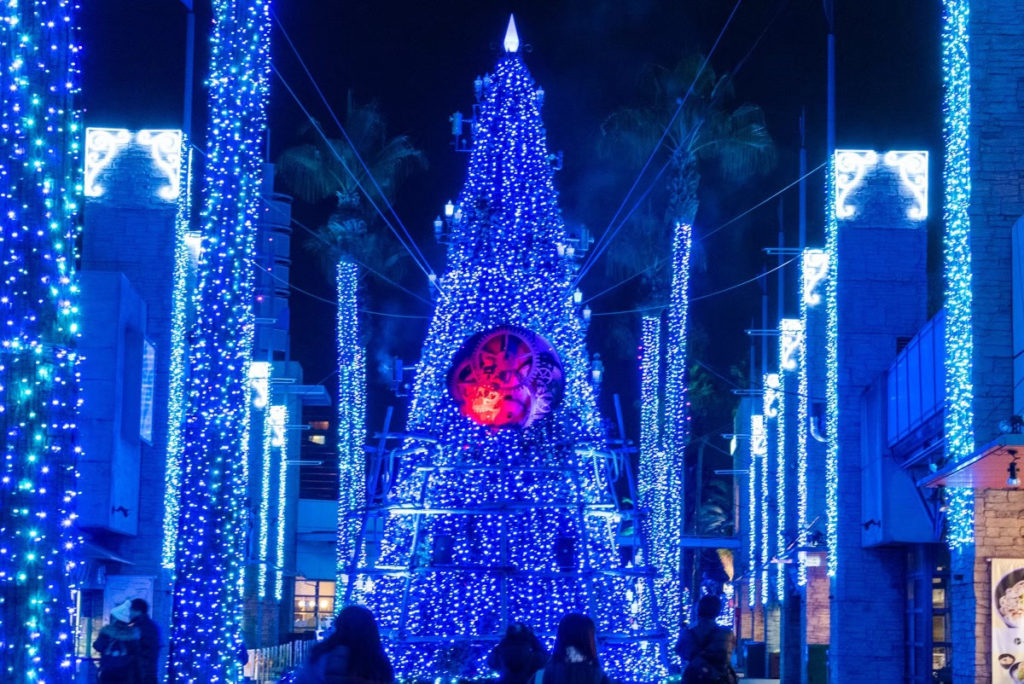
(882,296)
(999,533)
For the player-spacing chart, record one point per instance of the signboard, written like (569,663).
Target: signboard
(148,390)
(1007,620)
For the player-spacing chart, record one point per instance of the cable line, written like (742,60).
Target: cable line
(654,307)
(425,267)
(657,146)
(344,133)
(764,201)
(361,264)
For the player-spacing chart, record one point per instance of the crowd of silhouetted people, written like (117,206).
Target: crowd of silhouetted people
(353,652)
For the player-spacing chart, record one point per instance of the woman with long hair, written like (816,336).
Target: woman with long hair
(574,658)
(518,655)
(351,654)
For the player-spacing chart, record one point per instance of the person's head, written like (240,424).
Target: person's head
(578,632)
(356,629)
(139,607)
(519,632)
(122,612)
(709,607)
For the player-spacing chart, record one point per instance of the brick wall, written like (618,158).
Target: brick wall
(818,609)
(999,533)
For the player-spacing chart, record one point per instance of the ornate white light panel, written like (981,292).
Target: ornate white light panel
(912,166)
(103,145)
(815,270)
(850,168)
(791,336)
(758,436)
(770,394)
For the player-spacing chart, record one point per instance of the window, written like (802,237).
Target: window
(148,385)
(314,605)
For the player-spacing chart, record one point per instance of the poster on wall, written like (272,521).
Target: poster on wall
(1007,620)
(122,588)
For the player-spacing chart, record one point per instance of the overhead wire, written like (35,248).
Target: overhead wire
(423,266)
(344,133)
(330,302)
(760,204)
(362,264)
(605,237)
(655,307)
(745,282)
(739,65)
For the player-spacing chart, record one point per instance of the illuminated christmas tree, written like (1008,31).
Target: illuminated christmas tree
(502,506)
(39,138)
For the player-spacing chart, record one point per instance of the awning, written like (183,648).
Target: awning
(91,551)
(986,468)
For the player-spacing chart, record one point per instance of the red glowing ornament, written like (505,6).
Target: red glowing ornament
(506,377)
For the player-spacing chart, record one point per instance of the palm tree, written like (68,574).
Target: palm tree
(704,133)
(317,169)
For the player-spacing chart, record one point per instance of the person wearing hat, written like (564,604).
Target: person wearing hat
(118,645)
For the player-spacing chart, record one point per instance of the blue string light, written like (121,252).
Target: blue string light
(759,455)
(677,423)
(178,363)
(206,618)
(791,343)
(39,189)
(752,534)
(959,421)
(813,269)
(655,469)
(351,417)
(278,419)
(831,373)
(484,526)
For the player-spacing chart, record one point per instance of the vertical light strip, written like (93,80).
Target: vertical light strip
(351,418)
(677,422)
(654,466)
(832,373)
(260,372)
(759,453)
(752,530)
(814,265)
(278,422)
(178,362)
(40,187)
(780,484)
(791,343)
(959,422)
(209,571)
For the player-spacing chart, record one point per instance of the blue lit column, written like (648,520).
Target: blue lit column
(206,622)
(677,420)
(39,149)
(351,418)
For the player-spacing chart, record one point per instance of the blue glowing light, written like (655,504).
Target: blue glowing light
(210,549)
(485,526)
(39,189)
(351,417)
(959,421)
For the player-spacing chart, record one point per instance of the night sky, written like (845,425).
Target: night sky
(418,60)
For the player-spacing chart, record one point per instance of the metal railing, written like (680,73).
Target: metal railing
(270,663)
